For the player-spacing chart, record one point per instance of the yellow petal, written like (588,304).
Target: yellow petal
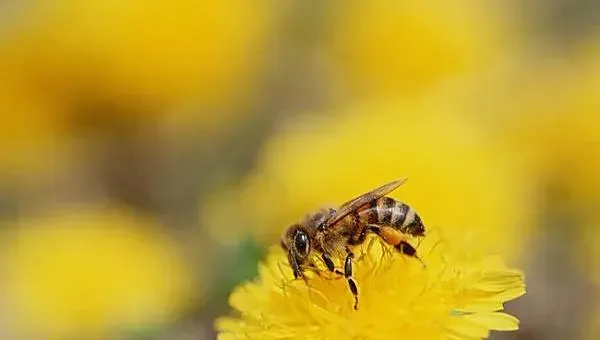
(496,321)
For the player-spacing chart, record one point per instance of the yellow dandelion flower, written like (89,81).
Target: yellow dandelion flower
(406,47)
(31,128)
(559,129)
(551,116)
(550,112)
(89,271)
(328,160)
(455,296)
(144,54)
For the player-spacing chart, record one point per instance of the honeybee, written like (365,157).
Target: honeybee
(332,232)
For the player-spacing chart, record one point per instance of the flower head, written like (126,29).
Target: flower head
(406,47)
(143,55)
(455,296)
(31,126)
(89,270)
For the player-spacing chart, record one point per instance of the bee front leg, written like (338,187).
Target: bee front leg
(329,263)
(348,276)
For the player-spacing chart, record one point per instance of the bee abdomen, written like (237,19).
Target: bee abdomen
(387,211)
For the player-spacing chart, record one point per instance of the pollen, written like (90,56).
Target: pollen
(455,296)
(391,235)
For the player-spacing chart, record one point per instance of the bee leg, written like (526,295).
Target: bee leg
(329,263)
(348,276)
(408,250)
(391,238)
(359,238)
(295,267)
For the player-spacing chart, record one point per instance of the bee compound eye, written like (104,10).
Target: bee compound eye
(301,243)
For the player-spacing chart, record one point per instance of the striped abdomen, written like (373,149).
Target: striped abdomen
(386,211)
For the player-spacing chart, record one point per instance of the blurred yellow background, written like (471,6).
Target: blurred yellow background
(150,152)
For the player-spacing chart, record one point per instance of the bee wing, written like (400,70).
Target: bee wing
(363,199)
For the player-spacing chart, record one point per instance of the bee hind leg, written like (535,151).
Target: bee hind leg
(395,238)
(348,275)
(408,250)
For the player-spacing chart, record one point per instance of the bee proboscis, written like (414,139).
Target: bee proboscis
(335,232)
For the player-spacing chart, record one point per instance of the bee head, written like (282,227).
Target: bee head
(296,242)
